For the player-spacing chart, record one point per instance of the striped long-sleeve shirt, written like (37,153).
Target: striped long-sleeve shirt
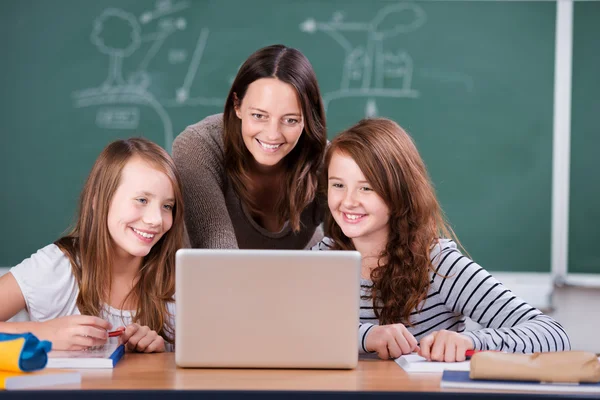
(460,288)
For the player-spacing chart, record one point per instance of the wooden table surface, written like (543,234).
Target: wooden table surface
(158,371)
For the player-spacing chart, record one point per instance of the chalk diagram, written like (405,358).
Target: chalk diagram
(120,100)
(370,71)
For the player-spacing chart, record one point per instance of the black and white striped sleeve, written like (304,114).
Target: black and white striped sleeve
(508,322)
(324,244)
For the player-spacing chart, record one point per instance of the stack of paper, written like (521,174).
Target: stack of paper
(105,356)
(416,363)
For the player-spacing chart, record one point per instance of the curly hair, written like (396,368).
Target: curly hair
(389,159)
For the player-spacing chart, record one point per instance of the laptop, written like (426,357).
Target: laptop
(267,308)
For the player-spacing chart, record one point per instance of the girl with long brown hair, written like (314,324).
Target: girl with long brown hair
(417,289)
(116,267)
(250,174)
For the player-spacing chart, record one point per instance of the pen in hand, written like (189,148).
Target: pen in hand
(116,333)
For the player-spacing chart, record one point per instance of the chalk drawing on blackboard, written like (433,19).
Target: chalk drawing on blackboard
(118,34)
(118,117)
(370,71)
(163,7)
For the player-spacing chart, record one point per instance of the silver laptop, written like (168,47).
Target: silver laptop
(267,308)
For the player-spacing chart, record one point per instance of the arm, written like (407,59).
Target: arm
(69,333)
(11,299)
(509,323)
(202,173)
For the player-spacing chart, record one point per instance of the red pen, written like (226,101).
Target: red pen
(470,353)
(116,333)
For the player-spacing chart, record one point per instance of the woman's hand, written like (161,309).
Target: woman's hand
(75,332)
(142,339)
(390,341)
(445,346)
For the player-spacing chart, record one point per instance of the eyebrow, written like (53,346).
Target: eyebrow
(340,179)
(148,194)
(266,112)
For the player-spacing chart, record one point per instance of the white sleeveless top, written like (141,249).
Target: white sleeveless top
(50,290)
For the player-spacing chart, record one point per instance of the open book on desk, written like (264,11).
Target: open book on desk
(416,363)
(461,380)
(38,379)
(105,356)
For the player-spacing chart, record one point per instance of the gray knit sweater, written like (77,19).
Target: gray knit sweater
(215,217)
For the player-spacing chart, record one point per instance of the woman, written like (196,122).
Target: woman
(250,174)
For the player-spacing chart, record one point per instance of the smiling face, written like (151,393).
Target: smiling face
(272,120)
(141,210)
(360,212)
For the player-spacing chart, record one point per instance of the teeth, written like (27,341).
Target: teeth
(269,146)
(353,216)
(144,234)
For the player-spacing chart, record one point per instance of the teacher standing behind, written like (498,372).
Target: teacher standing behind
(250,174)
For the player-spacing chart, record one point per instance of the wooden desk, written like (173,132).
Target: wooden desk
(158,371)
(147,373)
(155,377)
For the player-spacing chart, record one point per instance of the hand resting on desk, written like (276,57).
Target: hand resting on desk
(142,339)
(445,346)
(75,332)
(391,341)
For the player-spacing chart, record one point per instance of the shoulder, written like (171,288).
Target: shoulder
(325,244)
(49,260)
(449,263)
(207,134)
(442,247)
(445,257)
(49,266)
(47,283)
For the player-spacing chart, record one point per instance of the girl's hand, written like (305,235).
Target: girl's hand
(75,332)
(142,339)
(390,341)
(445,346)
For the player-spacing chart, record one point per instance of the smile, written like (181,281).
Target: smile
(145,236)
(353,218)
(269,147)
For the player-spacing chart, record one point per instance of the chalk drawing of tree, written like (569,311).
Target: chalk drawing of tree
(116,33)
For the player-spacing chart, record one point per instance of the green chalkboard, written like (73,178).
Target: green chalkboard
(472,81)
(584,213)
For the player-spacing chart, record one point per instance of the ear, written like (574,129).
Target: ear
(236,105)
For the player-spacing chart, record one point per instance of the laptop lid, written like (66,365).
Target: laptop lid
(267,308)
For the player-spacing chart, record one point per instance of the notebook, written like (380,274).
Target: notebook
(461,380)
(105,356)
(44,378)
(415,363)
(267,308)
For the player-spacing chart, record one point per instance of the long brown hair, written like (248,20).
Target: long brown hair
(303,163)
(388,158)
(89,246)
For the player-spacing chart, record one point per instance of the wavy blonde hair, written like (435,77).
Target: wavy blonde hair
(89,246)
(389,159)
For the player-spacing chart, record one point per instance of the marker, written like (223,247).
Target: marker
(470,353)
(116,333)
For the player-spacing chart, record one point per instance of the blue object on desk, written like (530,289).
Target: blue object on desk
(461,380)
(23,352)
